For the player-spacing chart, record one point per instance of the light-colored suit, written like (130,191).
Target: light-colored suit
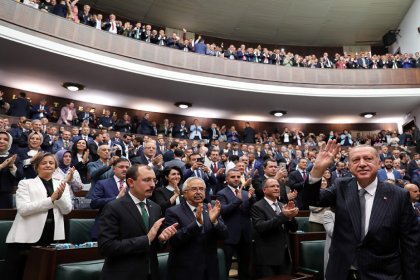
(329,219)
(32,206)
(63,115)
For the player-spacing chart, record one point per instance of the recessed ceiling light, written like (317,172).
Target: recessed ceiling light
(368,115)
(73,86)
(183,105)
(278,113)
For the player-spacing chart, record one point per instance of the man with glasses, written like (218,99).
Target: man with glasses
(194,246)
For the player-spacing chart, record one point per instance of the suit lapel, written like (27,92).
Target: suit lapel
(114,189)
(353,205)
(268,209)
(379,208)
(154,213)
(134,211)
(188,212)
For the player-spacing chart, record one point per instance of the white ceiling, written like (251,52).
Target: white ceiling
(37,70)
(285,22)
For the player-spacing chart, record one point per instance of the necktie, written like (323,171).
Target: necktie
(67,145)
(276,206)
(304,175)
(362,212)
(113,25)
(121,185)
(214,168)
(144,214)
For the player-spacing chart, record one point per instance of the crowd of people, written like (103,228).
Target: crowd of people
(258,54)
(253,180)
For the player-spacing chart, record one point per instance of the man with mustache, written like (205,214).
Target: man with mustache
(194,245)
(376,234)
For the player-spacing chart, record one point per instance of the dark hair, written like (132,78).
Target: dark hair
(133,171)
(233,158)
(174,145)
(178,153)
(166,172)
(22,94)
(118,160)
(390,158)
(37,161)
(74,147)
(267,161)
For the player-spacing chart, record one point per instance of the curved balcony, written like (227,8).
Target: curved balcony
(14,14)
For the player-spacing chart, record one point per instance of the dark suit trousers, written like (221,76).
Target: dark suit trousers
(243,254)
(285,268)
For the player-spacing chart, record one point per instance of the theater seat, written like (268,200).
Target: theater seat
(80,230)
(90,270)
(312,258)
(303,223)
(163,264)
(4,230)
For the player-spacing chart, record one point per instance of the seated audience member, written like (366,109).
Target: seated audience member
(63,143)
(169,194)
(107,190)
(200,227)
(100,169)
(41,203)
(272,221)
(236,203)
(64,171)
(129,230)
(80,159)
(29,154)
(10,171)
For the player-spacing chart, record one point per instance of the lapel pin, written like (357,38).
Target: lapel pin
(385,198)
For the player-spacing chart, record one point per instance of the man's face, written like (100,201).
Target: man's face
(75,131)
(36,125)
(195,192)
(66,135)
(364,164)
(150,149)
(340,166)
(388,164)
(414,193)
(302,164)
(127,139)
(214,156)
(120,169)
(271,189)
(240,166)
(85,130)
(271,169)
(144,185)
(103,152)
(233,179)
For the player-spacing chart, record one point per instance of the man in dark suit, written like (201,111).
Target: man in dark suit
(20,107)
(180,130)
(41,110)
(63,143)
(194,246)
(272,221)
(339,171)
(249,134)
(108,190)
(145,126)
(150,158)
(213,132)
(297,179)
(376,234)
(236,203)
(414,192)
(128,229)
(85,116)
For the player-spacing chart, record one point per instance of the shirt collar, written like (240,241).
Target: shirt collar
(170,188)
(136,200)
(371,188)
(232,189)
(191,207)
(269,201)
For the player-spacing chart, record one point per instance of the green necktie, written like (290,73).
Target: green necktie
(144,214)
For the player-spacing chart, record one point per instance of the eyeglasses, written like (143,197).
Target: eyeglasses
(196,189)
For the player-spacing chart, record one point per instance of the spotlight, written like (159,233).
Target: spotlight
(73,86)
(278,113)
(183,105)
(368,115)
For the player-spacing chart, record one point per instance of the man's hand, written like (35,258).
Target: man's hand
(122,192)
(59,191)
(154,229)
(292,195)
(158,160)
(168,233)
(220,171)
(239,193)
(214,212)
(281,174)
(112,160)
(325,158)
(198,213)
(290,210)
(251,192)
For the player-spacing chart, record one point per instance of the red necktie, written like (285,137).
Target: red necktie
(121,185)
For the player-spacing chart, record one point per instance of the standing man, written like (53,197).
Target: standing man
(376,234)
(68,114)
(195,130)
(272,221)
(128,230)
(236,203)
(40,111)
(194,246)
(413,189)
(249,134)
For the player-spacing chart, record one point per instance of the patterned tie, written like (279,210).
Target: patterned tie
(276,206)
(144,214)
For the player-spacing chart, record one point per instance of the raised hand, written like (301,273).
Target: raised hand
(251,192)
(281,174)
(214,212)
(168,232)
(198,213)
(292,195)
(70,174)
(122,192)
(154,229)
(56,195)
(325,158)
(239,192)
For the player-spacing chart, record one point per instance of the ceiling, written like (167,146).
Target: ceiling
(287,22)
(33,69)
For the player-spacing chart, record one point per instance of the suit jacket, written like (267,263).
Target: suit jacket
(36,114)
(123,241)
(382,176)
(145,127)
(175,162)
(32,205)
(20,107)
(193,248)
(236,215)
(296,182)
(28,168)
(213,134)
(258,183)
(85,116)
(179,132)
(334,175)
(103,192)
(270,234)
(59,145)
(392,239)
(97,170)
(63,115)
(249,135)
(9,181)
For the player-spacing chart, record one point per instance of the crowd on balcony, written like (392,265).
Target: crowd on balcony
(145,32)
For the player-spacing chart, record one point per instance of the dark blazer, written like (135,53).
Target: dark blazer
(270,234)
(193,248)
(334,175)
(236,215)
(8,182)
(37,115)
(20,107)
(178,132)
(390,248)
(59,145)
(123,241)
(162,197)
(296,183)
(145,127)
(28,169)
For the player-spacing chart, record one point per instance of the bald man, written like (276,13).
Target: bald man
(414,192)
